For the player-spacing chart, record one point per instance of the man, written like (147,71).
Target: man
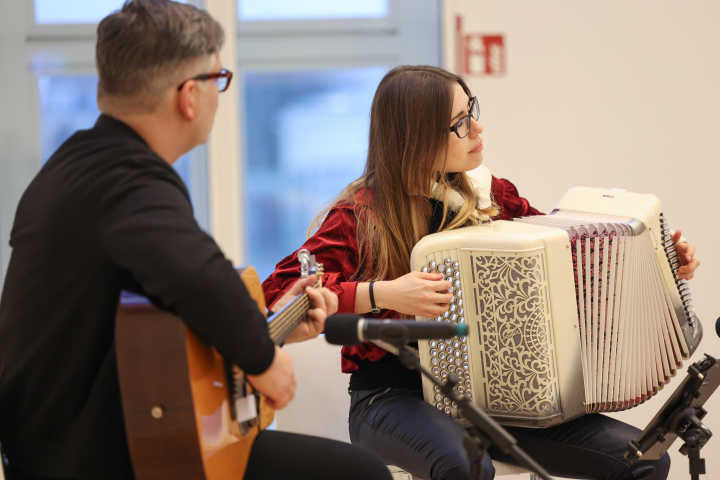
(107,212)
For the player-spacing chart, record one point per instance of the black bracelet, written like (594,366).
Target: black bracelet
(374,308)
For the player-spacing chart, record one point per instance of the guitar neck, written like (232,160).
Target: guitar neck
(284,321)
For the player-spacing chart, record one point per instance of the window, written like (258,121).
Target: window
(67,104)
(310,9)
(307,85)
(75,11)
(306,139)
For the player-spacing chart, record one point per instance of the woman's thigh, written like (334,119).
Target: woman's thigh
(404,430)
(591,446)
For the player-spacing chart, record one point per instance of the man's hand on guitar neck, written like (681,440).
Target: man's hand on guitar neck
(277,383)
(323,302)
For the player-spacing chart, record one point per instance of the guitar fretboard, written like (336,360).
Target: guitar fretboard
(284,321)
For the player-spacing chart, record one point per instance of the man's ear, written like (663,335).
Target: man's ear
(186,100)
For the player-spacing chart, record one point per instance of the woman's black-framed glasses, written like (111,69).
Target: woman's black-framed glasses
(222,79)
(462,126)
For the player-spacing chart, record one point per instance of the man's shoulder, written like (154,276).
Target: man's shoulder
(99,153)
(106,144)
(96,165)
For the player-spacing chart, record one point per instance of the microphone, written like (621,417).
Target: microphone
(349,329)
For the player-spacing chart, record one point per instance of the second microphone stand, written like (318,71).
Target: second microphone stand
(484,431)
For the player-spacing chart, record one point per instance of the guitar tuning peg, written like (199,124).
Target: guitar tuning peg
(304,259)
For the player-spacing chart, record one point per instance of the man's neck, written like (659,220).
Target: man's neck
(157,131)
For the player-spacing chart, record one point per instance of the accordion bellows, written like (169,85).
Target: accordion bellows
(574,312)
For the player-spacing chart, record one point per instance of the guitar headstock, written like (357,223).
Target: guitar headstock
(308,266)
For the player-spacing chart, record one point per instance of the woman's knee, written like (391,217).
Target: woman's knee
(465,470)
(652,470)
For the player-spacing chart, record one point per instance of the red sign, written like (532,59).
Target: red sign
(478,54)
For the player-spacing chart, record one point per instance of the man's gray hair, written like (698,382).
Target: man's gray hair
(142,48)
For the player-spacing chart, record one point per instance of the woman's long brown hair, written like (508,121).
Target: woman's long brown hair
(409,131)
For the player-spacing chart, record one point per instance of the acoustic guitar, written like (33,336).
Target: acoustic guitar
(188,413)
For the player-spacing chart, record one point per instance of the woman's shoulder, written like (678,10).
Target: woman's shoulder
(511,203)
(363,197)
(353,201)
(503,186)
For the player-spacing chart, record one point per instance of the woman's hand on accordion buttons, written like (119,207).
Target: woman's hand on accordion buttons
(415,293)
(686,254)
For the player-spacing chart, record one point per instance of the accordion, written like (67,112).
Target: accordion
(570,313)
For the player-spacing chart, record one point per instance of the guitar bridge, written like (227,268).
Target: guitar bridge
(245,401)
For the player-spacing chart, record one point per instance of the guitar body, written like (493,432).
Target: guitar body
(176,398)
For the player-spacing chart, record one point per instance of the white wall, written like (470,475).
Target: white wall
(610,94)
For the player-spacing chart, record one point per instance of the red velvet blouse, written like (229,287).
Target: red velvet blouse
(335,246)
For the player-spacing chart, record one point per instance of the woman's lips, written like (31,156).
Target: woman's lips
(478,148)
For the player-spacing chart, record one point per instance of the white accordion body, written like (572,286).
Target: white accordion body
(575,312)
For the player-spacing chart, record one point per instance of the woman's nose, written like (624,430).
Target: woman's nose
(476,127)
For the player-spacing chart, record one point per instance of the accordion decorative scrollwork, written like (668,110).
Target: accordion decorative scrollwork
(517,346)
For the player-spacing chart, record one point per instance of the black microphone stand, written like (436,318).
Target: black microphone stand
(681,416)
(485,431)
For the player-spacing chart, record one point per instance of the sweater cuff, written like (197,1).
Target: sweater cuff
(264,355)
(346,296)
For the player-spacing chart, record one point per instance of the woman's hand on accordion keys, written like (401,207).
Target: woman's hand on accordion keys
(686,254)
(415,293)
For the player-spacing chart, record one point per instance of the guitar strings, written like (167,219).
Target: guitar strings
(297,308)
(289,318)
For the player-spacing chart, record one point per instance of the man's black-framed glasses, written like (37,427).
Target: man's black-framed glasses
(222,79)
(462,126)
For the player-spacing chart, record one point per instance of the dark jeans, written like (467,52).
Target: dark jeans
(282,455)
(404,430)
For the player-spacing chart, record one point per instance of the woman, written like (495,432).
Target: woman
(424,137)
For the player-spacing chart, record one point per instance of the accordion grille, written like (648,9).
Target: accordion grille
(518,358)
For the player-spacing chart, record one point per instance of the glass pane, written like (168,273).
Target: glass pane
(306,138)
(68,103)
(76,11)
(310,9)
